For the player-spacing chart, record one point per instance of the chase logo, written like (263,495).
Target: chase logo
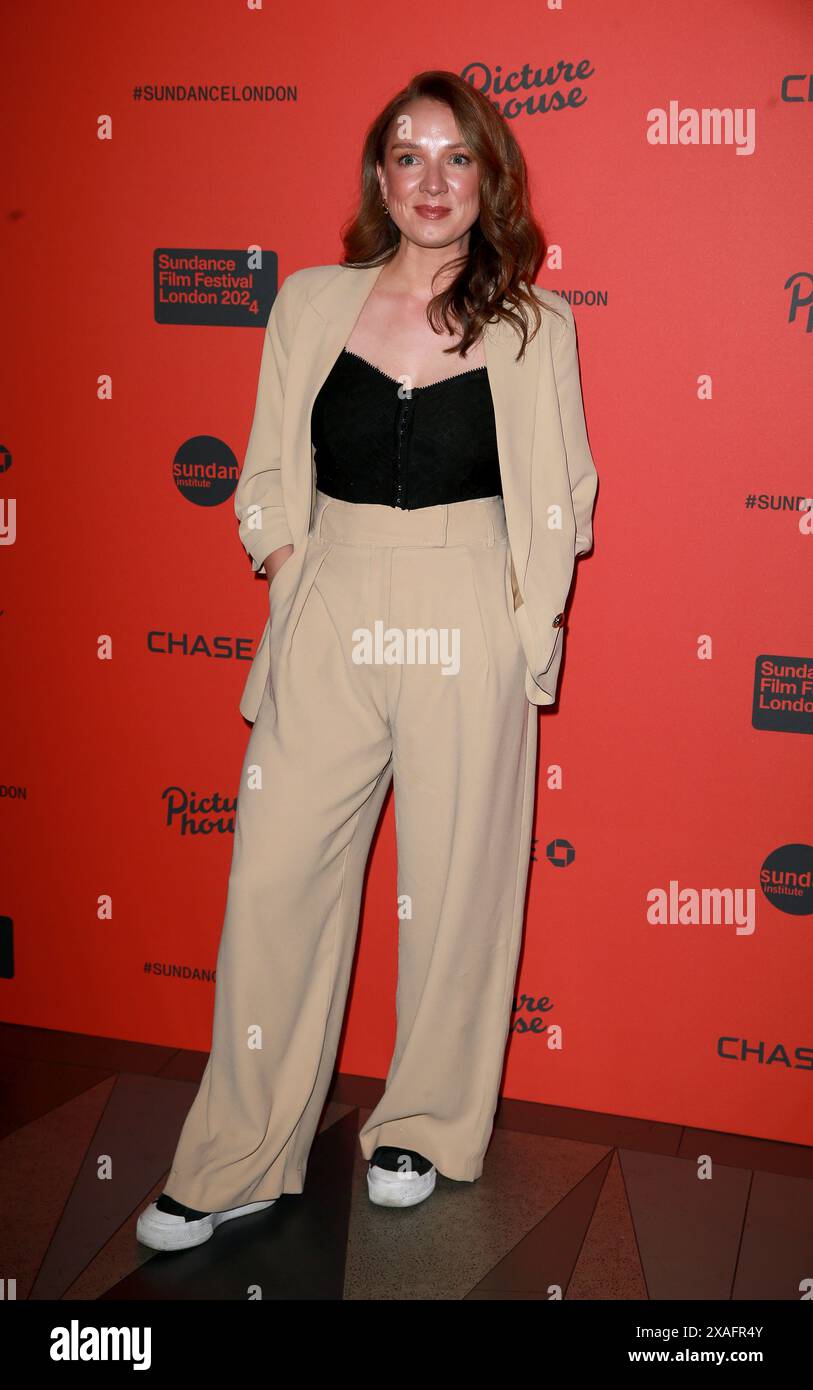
(797,86)
(233,289)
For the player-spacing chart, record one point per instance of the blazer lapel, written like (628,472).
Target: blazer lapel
(514,394)
(323,329)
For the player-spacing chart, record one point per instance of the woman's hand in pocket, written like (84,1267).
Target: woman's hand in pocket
(273,563)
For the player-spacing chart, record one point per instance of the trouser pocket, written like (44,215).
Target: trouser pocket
(281,583)
(513,597)
(516,597)
(289,607)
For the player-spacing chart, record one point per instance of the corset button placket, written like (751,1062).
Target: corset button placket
(400,483)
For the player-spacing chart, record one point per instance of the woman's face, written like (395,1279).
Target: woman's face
(428,166)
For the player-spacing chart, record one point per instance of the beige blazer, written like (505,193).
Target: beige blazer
(548,476)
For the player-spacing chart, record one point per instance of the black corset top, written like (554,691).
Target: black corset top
(375,441)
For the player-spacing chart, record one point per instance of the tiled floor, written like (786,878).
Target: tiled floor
(572,1205)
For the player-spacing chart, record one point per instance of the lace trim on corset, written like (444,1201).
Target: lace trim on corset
(429,385)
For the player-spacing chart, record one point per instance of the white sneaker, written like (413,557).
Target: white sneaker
(169,1225)
(399,1177)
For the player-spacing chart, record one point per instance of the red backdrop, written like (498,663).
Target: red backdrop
(689,266)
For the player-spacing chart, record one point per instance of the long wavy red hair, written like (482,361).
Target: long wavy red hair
(506,245)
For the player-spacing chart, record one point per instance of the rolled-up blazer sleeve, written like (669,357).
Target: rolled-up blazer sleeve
(258,500)
(580,465)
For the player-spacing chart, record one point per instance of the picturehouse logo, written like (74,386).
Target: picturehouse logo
(528,1013)
(529,90)
(190,814)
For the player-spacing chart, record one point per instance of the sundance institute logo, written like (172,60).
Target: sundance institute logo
(411,646)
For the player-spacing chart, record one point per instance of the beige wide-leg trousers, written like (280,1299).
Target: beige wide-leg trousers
(448,721)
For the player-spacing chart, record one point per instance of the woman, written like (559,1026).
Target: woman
(417,569)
